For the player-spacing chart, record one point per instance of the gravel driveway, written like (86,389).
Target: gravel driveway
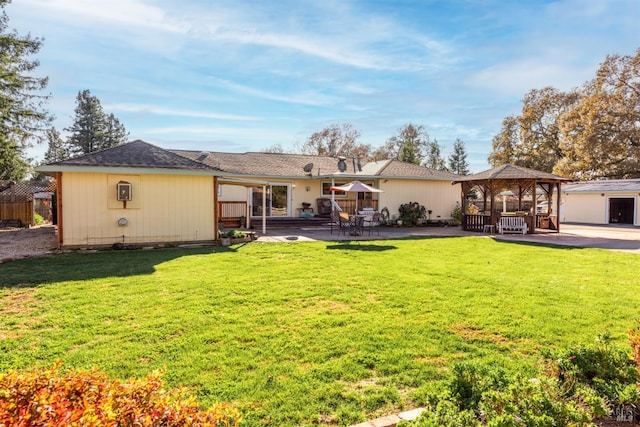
(26,242)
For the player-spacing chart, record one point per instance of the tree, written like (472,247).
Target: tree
(434,159)
(601,135)
(458,158)
(532,139)
(505,143)
(22,114)
(336,140)
(115,133)
(539,131)
(275,148)
(56,150)
(591,133)
(410,144)
(92,130)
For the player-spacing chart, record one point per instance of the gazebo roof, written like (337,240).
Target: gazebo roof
(511,172)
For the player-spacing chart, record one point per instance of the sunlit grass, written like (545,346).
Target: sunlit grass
(312,333)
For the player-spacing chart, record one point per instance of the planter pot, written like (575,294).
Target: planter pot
(225,241)
(240,240)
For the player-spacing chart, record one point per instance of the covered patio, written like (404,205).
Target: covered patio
(510,190)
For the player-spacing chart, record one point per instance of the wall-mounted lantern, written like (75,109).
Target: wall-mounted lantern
(124,191)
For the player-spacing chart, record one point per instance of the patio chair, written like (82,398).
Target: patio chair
(372,222)
(356,225)
(344,222)
(335,220)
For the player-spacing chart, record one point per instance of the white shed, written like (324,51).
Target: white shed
(602,202)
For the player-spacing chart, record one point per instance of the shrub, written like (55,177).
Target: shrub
(38,219)
(634,338)
(607,369)
(411,213)
(479,394)
(456,213)
(234,234)
(50,397)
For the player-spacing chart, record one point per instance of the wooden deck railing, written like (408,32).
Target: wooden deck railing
(234,210)
(475,222)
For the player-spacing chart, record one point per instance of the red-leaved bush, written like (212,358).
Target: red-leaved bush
(634,337)
(51,397)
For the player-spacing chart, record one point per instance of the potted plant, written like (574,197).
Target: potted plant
(232,236)
(411,213)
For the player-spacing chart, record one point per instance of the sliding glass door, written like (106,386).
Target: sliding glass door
(276,197)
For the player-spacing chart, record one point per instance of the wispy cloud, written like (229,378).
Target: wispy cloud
(311,98)
(150,109)
(123,12)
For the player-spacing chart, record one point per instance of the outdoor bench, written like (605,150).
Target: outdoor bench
(512,224)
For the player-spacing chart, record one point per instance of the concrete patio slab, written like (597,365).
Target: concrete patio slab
(621,238)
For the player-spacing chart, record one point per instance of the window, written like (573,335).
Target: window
(326,186)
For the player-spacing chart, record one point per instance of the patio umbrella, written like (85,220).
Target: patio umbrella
(355,187)
(504,195)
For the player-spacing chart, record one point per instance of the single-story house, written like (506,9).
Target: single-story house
(141,193)
(602,202)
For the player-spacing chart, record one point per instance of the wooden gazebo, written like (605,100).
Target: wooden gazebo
(525,184)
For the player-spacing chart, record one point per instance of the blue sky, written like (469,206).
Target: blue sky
(243,75)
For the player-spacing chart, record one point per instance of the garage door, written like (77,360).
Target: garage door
(621,210)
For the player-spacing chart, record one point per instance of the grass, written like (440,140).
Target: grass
(312,333)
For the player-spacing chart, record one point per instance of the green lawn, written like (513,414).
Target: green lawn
(312,333)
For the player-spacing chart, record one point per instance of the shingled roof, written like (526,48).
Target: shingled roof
(140,154)
(618,185)
(507,172)
(265,164)
(396,168)
(135,154)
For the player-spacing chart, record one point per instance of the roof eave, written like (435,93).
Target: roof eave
(52,169)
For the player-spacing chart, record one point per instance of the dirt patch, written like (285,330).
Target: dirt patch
(27,242)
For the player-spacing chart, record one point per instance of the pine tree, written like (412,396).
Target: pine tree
(115,134)
(434,159)
(92,130)
(458,159)
(22,114)
(56,150)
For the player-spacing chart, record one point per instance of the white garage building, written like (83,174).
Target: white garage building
(601,202)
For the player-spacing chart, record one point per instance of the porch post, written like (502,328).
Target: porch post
(59,208)
(216,213)
(559,185)
(264,209)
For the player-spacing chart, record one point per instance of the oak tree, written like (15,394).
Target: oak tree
(601,135)
(336,140)
(532,139)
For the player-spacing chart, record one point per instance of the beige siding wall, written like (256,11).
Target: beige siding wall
(302,190)
(438,196)
(592,208)
(165,208)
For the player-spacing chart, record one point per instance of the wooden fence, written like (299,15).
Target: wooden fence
(17,211)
